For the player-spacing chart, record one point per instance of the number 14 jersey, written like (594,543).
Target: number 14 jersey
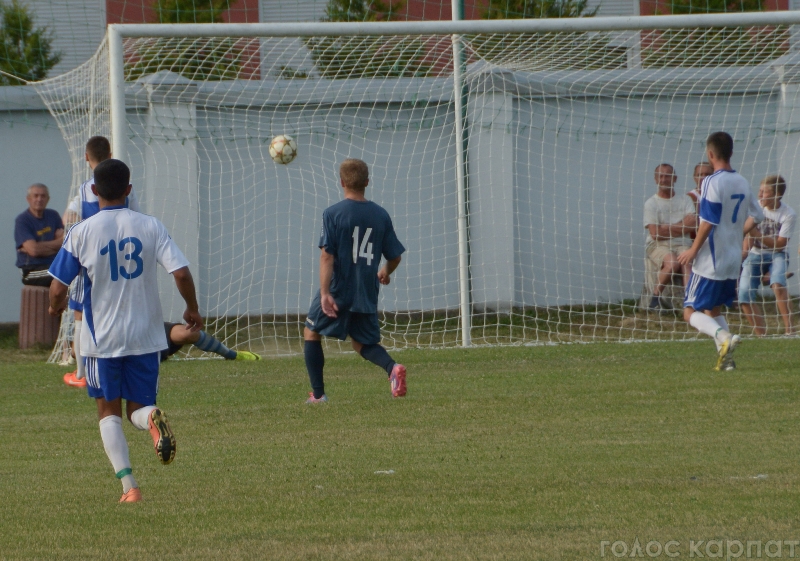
(119,249)
(357,234)
(726,201)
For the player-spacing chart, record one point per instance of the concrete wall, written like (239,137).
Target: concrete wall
(557,180)
(32,152)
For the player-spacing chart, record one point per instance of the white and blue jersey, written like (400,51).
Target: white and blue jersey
(357,234)
(116,251)
(85,204)
(725,202)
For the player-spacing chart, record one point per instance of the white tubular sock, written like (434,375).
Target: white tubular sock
(76,344)
(117,450)
(708,325)
(140,416)
(723,323)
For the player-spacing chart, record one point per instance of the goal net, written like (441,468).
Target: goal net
(516,172)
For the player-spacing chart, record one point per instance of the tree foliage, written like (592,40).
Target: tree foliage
(210,58)
(547,51)
(527,9)
(191,11)
(716,46)
(25,51)
(355,57)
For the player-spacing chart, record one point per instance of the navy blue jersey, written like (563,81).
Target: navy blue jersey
(357,234)
(28,227)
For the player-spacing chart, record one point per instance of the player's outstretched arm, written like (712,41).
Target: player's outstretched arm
(385,274)
(185,284)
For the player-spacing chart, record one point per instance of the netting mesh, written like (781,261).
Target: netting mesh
(563,132)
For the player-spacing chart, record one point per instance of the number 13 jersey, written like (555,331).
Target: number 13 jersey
(357,234)
(726,201)
(119,249)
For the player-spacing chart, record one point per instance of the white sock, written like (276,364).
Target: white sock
(723,323)
(140,416)
(708,325)
(76,343)
(117,450)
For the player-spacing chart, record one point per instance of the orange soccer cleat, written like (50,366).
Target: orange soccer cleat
(163,439)
(71,379)
(134,495)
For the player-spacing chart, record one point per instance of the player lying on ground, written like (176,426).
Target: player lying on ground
(355,234)
(178,335)
(118,250)
(716,254)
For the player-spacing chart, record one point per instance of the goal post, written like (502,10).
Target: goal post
(541,238)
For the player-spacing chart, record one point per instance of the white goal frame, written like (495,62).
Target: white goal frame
(455,28)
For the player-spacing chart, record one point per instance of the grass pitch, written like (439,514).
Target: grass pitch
(503,453)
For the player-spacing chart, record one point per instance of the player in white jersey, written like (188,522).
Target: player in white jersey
(117,252)
(85,205)
(728,210)
(766,254)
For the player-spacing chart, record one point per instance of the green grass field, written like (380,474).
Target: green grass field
(502,453)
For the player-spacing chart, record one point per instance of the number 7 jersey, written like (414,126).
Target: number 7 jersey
(726,201)
(119,249)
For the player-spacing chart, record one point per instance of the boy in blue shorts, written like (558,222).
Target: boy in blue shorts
(117,251)
(355,234)
(726,203)
(766,254)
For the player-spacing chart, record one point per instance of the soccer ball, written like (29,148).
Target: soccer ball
(282,149)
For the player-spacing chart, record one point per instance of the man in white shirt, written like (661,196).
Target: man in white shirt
(669,220)
(726,203)
(117,252)
(766,254)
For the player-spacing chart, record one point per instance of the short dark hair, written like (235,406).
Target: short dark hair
(721,144)
(98,148)
(111,178)
(665,165)
(354,174)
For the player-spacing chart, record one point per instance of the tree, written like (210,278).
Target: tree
(525,9)
(355,57)
(547,51)
(717,46)
(209,58)
(191,11)
(25,51)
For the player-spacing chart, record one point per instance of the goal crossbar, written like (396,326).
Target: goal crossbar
(447,27)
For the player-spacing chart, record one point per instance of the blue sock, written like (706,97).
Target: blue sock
(214,345)
(315,362)
(377,355)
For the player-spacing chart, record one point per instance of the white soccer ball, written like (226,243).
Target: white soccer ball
(282,149)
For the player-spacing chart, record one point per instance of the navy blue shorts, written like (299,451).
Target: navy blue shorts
(363,328)
(133,378)
(706,294)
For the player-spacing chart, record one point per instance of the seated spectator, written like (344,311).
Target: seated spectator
(765,247)
(701,171)
(38,233)
(669,220)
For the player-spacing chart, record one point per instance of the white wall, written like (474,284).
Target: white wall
(32,152)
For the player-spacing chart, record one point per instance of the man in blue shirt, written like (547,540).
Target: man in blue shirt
(38,233)
(355,234)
